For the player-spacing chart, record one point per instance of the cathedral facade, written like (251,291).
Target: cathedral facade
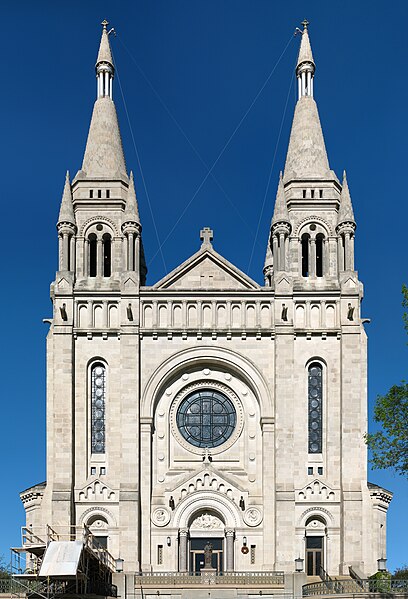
(207,409)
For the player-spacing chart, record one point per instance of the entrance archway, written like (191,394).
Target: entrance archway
(315,545)
(206,528)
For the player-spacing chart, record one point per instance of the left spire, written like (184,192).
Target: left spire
(104,158)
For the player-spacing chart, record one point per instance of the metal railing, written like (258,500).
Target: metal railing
(352,587)
(219,578)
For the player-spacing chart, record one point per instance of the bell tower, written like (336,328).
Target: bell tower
(93,341)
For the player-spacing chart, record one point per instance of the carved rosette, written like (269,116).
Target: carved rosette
(253,516)
(161,516)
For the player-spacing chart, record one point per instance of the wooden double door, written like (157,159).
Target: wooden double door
(314,555)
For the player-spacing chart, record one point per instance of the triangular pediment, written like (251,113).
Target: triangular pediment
(207,270)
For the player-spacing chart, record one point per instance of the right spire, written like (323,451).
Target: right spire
(307,156)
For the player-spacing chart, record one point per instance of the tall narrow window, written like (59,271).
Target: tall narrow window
(315,400)
(107,251)
(98,398)
(305,255)
(319,255)
(92,254)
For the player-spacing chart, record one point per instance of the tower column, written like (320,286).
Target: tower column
(351,252)
(275,251)
(312,257)
(282,251)
(99,260)
(347,250)
(65,251)
(60,252)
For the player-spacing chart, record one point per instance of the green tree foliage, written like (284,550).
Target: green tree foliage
(4,569)
(401,573)
(389,446)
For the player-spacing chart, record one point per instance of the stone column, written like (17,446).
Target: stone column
(71,266)
(99,258)
(60,252)
(275,253)
(351,252)
(347,250)
(312,258)
(340,253)
(282,251)
(65,251)
(229,549)
(183,562)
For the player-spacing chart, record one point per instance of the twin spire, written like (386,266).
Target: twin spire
(104,158)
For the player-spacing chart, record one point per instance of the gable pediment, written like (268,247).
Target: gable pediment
(207,270)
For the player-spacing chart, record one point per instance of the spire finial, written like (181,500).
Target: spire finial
(305,67)
(105,24)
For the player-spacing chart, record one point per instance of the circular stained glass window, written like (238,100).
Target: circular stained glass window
(206,418)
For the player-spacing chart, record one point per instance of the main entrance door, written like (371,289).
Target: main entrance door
(197,553)
(314,555)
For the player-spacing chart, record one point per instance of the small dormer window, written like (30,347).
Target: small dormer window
(99,193)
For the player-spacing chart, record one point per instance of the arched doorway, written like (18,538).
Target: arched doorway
(315,545)
(206,529)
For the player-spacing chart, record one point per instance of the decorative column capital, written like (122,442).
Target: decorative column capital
(229,532)
(183,532)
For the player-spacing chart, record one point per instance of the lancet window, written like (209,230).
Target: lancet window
(313,248)
(315,401)
(98,401)
(98,251)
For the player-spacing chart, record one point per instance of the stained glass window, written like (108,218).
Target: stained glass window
(206,418)
(98,398)
(315,397)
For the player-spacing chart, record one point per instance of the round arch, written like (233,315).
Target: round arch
(206,356)
(211,502)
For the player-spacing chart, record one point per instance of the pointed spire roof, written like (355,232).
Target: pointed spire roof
(280,214)
(268,256)
(305,50)
(104,54)
(131,213)
(346,213)
(307,156)
(104,158)
(66,213)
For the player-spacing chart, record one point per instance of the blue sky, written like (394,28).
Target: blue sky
(190,70)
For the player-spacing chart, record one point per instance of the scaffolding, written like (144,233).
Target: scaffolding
(58,562)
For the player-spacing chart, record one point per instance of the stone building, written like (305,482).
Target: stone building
(205,407)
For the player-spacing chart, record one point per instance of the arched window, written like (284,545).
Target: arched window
(315,400)
(319,254)
(98,399)
(305,254)
(92,254)
(107,252)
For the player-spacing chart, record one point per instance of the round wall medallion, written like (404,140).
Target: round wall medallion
(206,414)
(253,516)
(160,517)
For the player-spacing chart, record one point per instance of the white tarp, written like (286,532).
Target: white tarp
(61,558)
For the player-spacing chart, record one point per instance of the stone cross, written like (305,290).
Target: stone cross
(305,23)
(206,235)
